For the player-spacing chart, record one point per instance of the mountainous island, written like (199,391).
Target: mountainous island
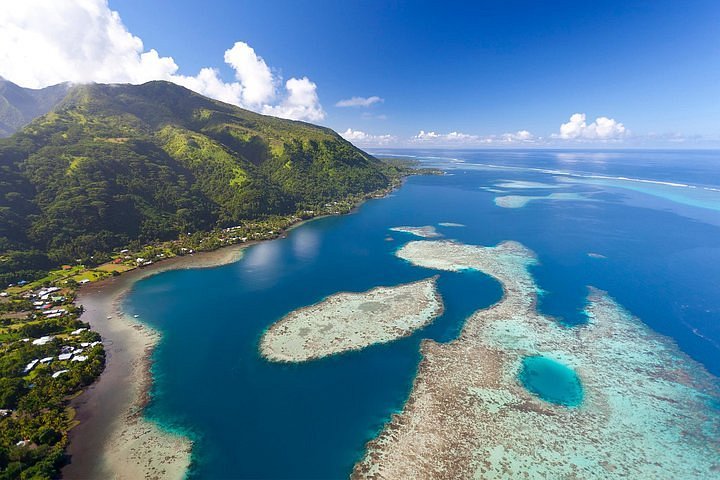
(99,179)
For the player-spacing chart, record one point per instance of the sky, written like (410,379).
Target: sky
(403,73)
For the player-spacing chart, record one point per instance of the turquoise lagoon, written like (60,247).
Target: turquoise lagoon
(250,418)
(551,380)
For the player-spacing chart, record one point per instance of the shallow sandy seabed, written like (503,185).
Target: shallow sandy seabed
(427,231)
(649,410)
(113,439)
(519,201)
(351,321)
(520,184)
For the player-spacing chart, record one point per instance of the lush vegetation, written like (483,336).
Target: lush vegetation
(34,414)
(19,106)
(118,177)
(113,164)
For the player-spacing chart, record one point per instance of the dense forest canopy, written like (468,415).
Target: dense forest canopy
(111,164)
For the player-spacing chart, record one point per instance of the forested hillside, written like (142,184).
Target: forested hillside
(115,163)
(19,106)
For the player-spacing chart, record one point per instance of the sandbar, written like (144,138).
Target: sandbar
(649,410)
(352,321)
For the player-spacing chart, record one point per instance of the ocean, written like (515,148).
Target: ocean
(642,225)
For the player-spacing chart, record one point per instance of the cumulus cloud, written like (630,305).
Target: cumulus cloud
(469,140)
(452,137)
(359,101)
(359,137)
(47,42)
(519,136)
(253,74)
(301,102)
(603,128)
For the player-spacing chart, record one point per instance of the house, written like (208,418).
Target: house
(58,373)
(46,360)
(78,331)
(84,281)
(31,365)
(65,356)
(43,340)
(79,358)
(3,294)
(4,412)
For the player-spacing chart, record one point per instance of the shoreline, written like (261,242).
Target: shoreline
(113,439)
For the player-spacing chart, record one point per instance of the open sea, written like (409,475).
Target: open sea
(642,225)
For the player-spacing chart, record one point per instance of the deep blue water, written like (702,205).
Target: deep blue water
(551,380)
(253,419)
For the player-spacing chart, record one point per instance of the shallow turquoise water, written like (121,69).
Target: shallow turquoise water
(551,380)
(254,419)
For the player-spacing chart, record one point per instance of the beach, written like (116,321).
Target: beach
(113,440)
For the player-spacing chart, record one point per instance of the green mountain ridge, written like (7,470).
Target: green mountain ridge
(115,163)
(19,106)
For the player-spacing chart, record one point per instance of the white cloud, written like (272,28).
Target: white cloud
(359,101)
(47,42)
(252,72)
(359,137)
(603,128)
(301,103)
(519,136)
(439,138)
(469,140)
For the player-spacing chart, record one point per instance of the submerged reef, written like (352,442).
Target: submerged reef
(427,231)
(647,410)
(521,184)
(352,321)
(519,201)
